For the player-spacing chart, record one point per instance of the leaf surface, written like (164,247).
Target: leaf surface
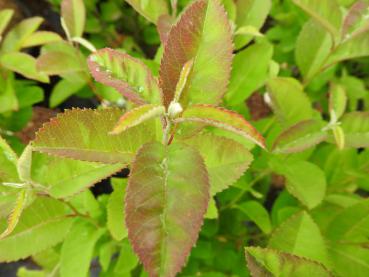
(165,205)
(355,126)
(258,214)
(151,10)
(83,135)
(203,34)
(5,17)
(73,13)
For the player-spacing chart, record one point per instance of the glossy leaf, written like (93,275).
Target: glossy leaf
(74,15)
(224,119)
(45,222)
(270,262)
(325,12)
(258,214)
(337,100)
(58,63)
(225,159)
(115,210)
(149,9)
(299,235)
(40,38)
(79,244)
(300,137)
(128,75)
(137,116)
(5,17)
(203,34)
(355,126)
(165,205)
(352,19)
(83,135)
(23,64)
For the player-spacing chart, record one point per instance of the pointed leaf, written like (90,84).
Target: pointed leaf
(270,262)
(126,74)
(355,126)
(59,62)
(149,9)
(337,100)
(300,137)
(83,135)
(225,159)
(5,17)
(115,209)
(40,38)
(45,221)
(299,235)
(63,90)
(224,119)
(15,214)
(258,214)
(165,205)
(8,161)
(137,116)
(78,248)
(74,15)
(355,14)
(203,34)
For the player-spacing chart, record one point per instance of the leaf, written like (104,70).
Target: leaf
(45,223)
(249,72)
(25,272)
(150,10)
(15,38)
(164,24)
(300,137)
(212,211)
(58,63)
(74,15)
(128,75)
(248,30)
(224,119)
(66,177)
(13,218)
(40,38)
(353,17)
(5,17)
(83,135)
(299,235)
(270,262)
(225,159)
(115,210)
(127,260)
(23,64)
(165,205)
(305,180)
(258,214)
(355,126)
(337,100)
(78,248)
(288,101)
(8,161)
(311,54)
(203,34)
(63,90)
(137,116)
(325,12)
(8,97)
(182,81)
(251,13)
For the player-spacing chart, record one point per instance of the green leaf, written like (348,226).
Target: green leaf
(325,12)
(8,97)
(83,135)
(106,252)
(150,10)
(25,272)
(78,248)
(59,63)
(45,222)
(355,126)
(15,38)
(63,90)
(270,262)
(258,214)
(311,54)
(251,13)
(202,33)
(288,101)
(355,21)
(115,210)
(23,64)
(305,180)
(300,137)
(15,214)
(224,119)
(212,211)
(165,205)
(128,75)
(74,15)
(8,161)
(28,95)
(127,260)
(40,38)
(299,235)
(337,101)
(249,72)
(137,116)
(225,159)
(5,17)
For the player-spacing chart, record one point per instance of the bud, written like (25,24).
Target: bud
(174,109)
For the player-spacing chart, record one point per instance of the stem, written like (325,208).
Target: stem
(167,129)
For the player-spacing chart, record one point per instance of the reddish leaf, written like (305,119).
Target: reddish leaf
(166,200)
(164,25)
(202,33)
